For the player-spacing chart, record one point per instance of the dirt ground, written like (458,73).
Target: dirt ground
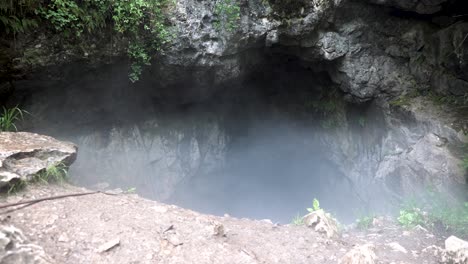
(126,228)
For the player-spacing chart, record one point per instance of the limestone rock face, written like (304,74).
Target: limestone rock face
(23,154)
(15,248)
(399,153)
(154,161)
(367,52)
(418,6)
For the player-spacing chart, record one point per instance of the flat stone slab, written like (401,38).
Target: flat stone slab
(24,154)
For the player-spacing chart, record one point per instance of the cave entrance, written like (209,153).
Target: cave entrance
(253,149)
(274,161)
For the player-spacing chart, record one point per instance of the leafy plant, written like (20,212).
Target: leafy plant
(142,22)
(131,190)
(411,217)
(228,13)
(15,16)
(9,117)
(315,206)
(448,214)
(297,220)
(437,211)
(365,222)
(69,16)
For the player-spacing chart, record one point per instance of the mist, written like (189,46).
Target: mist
(255,149)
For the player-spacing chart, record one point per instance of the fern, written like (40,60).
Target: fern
(18,16)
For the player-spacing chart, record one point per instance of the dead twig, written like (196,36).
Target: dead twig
(38,200)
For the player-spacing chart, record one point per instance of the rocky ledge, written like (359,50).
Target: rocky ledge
(126,228)
(23,155)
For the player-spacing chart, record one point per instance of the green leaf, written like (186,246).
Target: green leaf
(316,205)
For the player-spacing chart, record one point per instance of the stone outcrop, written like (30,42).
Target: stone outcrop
(399,152)
(360,254)
(153,161)
(456,251)
(322,222)
(16,249)
(22,155)
(367,51)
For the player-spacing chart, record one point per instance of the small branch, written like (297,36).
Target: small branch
(34,201)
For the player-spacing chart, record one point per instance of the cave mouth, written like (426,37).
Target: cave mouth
(254,149)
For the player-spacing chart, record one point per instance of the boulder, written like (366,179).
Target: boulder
(23,154)
(363,254)
(456,251)
(15,248)
(322,222)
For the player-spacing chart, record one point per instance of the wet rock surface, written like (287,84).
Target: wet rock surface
(23,154)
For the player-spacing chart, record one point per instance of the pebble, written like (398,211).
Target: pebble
(108,245)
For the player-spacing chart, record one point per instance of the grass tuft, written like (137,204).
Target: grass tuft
(56,173)
(298,220)
(9,117)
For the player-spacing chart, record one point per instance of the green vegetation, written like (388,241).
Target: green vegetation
(56,173)
(131,190)
(15,16)
(436,98)
(411,217)
(140,22)
(452,100)
(72,17)
(228,13)
(436,212)
(365,222)
(16,187)
(9,117)
(297,220)
(405,98)
(315,206)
